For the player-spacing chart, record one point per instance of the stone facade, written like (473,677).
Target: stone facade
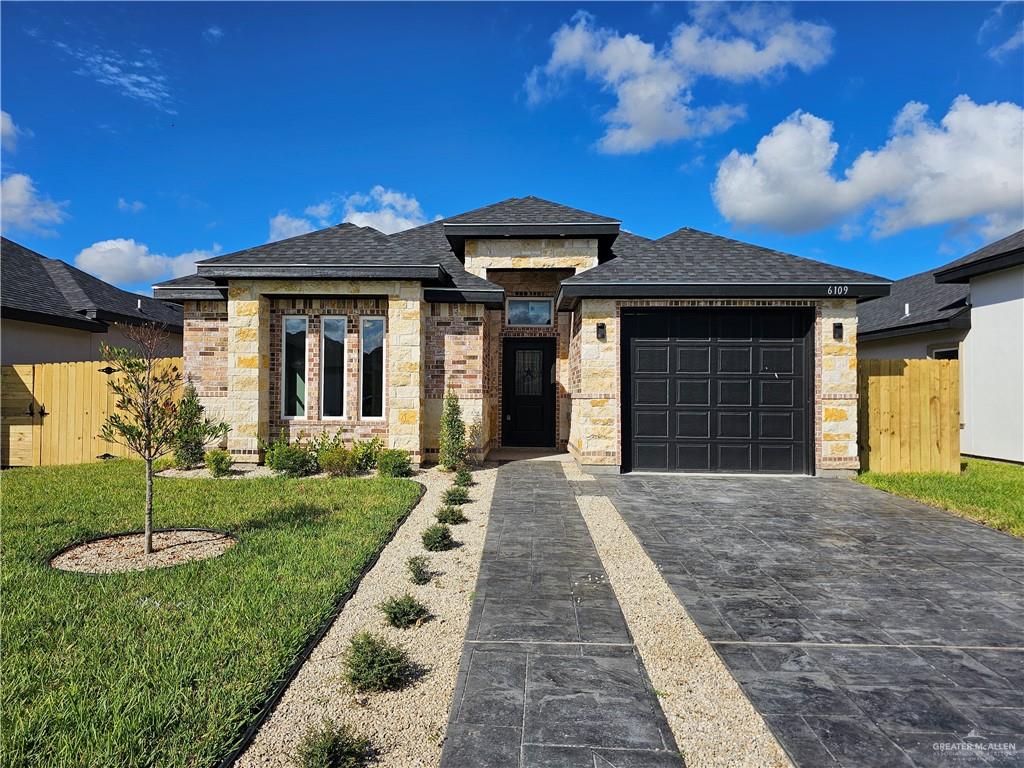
(514,253)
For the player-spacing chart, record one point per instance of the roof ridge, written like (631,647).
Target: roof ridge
(64,280)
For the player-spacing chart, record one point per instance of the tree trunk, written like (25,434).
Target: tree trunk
(149,506)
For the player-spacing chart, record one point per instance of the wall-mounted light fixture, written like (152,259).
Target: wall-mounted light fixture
(837,331)
(602,332)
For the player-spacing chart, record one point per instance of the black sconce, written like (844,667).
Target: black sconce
(837,331)
(602,332)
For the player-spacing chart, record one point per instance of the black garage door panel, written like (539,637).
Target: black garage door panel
(718,390)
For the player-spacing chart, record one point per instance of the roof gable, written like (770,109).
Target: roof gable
(528,210)
(931,305)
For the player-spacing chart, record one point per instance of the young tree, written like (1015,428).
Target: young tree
(452,449)
(147,420)
(195,430)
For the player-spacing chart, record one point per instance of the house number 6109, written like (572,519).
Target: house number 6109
(838,290)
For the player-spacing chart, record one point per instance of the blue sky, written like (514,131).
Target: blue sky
(139,137)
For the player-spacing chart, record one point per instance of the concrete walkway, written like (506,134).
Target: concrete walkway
(549,676)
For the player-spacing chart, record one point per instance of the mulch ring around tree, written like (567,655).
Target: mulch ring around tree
(123,552)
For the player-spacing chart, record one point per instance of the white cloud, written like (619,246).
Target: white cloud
(123,261)
(138,77)
(130,207)
(967,168)
(283,226)
(321,211)
(653,88)
(23,208)
(213,33)
(9,132)
(1015,41)
(386,210)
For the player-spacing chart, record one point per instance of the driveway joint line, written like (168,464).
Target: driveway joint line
(811,644)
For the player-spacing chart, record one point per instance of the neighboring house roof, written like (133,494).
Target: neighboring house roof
(689,262)
(42,290)
(932,307)
(1008,252)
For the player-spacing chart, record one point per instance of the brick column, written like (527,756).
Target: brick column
(248,369)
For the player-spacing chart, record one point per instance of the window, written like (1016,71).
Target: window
(371,373)
(294,374)
(332,367)
(528,312)
(953,353)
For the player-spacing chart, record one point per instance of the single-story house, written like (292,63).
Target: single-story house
(554,327)
(51,312)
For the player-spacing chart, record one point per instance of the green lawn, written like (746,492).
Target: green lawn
(163,668)
(991,492)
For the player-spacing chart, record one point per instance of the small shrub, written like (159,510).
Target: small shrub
(195,431)
(374,664)
(404,612)
(450,516)
(333,745)
(219,462)
(438,538)
(365,453)
(455,496)
(337,461)
(464,478)
(394,463)
(452,437)
(419,570)
(293,459)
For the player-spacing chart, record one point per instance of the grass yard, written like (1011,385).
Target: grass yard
(163,668)
(991,492)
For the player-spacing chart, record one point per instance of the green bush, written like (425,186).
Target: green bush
(464,478)
(365,453)
(333,745)
(218,462)
(404,612)
(438,538)
(450,515)
(455,496)
(337,461)
(374,664)
(419,569)
(293,459)
(394,462)
(452,438)
(195,431)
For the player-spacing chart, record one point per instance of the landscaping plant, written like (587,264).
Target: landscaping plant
(464,478)
(450,516)
(394,462)
(404,612)
(419,570)
(337,461)
(292,459)
(218,462)
(455,496)
(146,420)
(195,431)
(365,453)
(374,664)
(437,538)
(333,745)
(452,449)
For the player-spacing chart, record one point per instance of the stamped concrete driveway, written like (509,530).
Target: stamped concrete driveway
(868,630)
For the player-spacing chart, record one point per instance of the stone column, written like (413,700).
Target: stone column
(594,426)
(406,334)
(248,369)
(838,415)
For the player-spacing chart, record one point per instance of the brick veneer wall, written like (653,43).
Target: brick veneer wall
(595,427)
(205,348)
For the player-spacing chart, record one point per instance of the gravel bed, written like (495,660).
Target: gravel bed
(713,722)
(238,471)
(118,554)
(406,726)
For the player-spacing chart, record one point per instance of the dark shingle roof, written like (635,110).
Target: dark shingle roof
(44,290)
(528,210)
(932,304)
(429,242)
(1008,252)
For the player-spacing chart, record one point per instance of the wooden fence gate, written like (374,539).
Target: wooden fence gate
(52,413)
(909,415)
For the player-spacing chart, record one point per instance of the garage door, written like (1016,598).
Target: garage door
(718,390)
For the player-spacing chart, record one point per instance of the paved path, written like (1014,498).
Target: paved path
(868,630)
(549,676)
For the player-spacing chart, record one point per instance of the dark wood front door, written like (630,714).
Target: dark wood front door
(528,393)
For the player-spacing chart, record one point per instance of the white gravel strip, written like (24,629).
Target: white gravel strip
(405,726)
(118,554)
(715,725)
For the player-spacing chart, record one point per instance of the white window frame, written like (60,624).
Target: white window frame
(384,367)
(344,367)
(305,361)
(551,313)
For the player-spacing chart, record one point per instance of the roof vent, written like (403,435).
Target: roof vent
(139,305)
(906,309)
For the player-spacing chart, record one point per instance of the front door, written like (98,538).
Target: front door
(528,393)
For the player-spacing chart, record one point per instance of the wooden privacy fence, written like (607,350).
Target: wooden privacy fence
(909,415)
(52,413)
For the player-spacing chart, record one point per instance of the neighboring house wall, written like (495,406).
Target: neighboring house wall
(595,436)
(22,342)
(912,346)
(992,368)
